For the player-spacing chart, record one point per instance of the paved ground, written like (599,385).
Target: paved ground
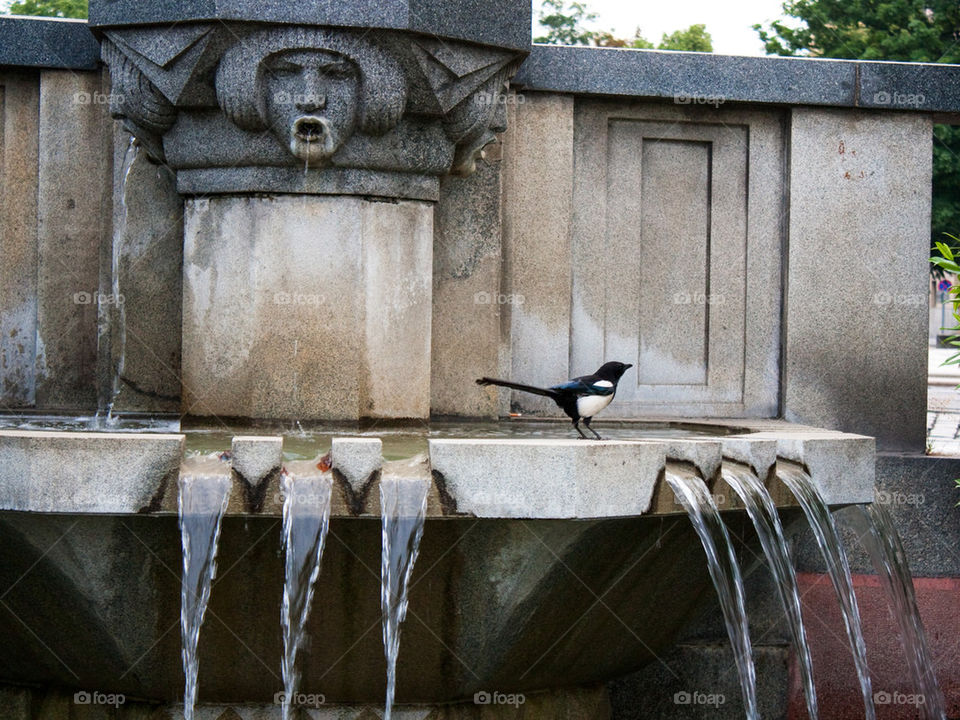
(943,405)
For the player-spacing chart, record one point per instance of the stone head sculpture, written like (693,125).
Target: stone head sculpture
(311,88)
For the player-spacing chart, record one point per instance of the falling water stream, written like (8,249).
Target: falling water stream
(202,502)
(114,315)
(766,522)
(693,494)
(306,518)
(878,535)
(825,532)
(403,502)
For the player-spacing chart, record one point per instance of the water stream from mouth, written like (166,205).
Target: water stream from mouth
(202,502)
(306,518)
(111,309)
(404,504)
(763,514)
(693,495)
(838,568)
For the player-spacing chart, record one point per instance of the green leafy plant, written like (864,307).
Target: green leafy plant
(946,262)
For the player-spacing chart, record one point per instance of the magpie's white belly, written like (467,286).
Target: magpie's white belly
(590,405)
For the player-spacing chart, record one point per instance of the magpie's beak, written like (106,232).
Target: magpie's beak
(629,365)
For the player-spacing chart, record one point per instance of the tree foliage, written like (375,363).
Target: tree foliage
(695,38)
(566,24)
(50,8)
(907,30)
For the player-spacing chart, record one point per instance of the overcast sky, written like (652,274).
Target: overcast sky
(728,22)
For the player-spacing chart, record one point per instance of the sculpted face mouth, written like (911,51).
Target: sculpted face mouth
(311,128)
(311,139)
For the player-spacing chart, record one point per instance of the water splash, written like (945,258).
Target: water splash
(838,568)
(403,502)
(111,309)
(202,502)
(763,514)
(878,535)
(693,494)
(306,518)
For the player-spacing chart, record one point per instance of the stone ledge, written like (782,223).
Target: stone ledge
(47,43)
(707,78)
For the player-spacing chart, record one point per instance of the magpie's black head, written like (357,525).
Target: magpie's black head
(612,371)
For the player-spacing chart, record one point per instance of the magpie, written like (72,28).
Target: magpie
(581,398)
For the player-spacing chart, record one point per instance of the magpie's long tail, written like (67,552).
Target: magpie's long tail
(517,386)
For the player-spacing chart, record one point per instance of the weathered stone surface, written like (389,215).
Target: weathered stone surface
(759,454)
(73,193)
(499,22)
(47,43)
(703,341)
(307,308)
(705,455)
(255,457)
(68,472)
(357,459)
(19,136)
(547,478)
(467,307)
(537,177)
(859,180)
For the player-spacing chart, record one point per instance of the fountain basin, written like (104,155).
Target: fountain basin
(545,562)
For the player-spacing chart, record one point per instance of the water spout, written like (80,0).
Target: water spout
(202,502)
(879,536)
(838,568)
(693,494)
(766,522)
(404,503)
(306,518)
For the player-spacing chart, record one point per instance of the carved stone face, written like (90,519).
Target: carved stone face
(311,102)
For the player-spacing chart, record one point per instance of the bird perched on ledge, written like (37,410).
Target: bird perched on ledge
(581,398)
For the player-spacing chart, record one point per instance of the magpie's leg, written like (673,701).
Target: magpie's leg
(576,426)
(586,422)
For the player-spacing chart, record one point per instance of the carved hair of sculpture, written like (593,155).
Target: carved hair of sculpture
(311,88)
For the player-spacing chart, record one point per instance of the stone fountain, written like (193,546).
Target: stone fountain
(333,218)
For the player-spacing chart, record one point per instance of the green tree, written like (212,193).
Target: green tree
(50,8)
(907,30)
(565,25)
(695,38)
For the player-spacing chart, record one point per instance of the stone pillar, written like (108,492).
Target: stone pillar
(310,157)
